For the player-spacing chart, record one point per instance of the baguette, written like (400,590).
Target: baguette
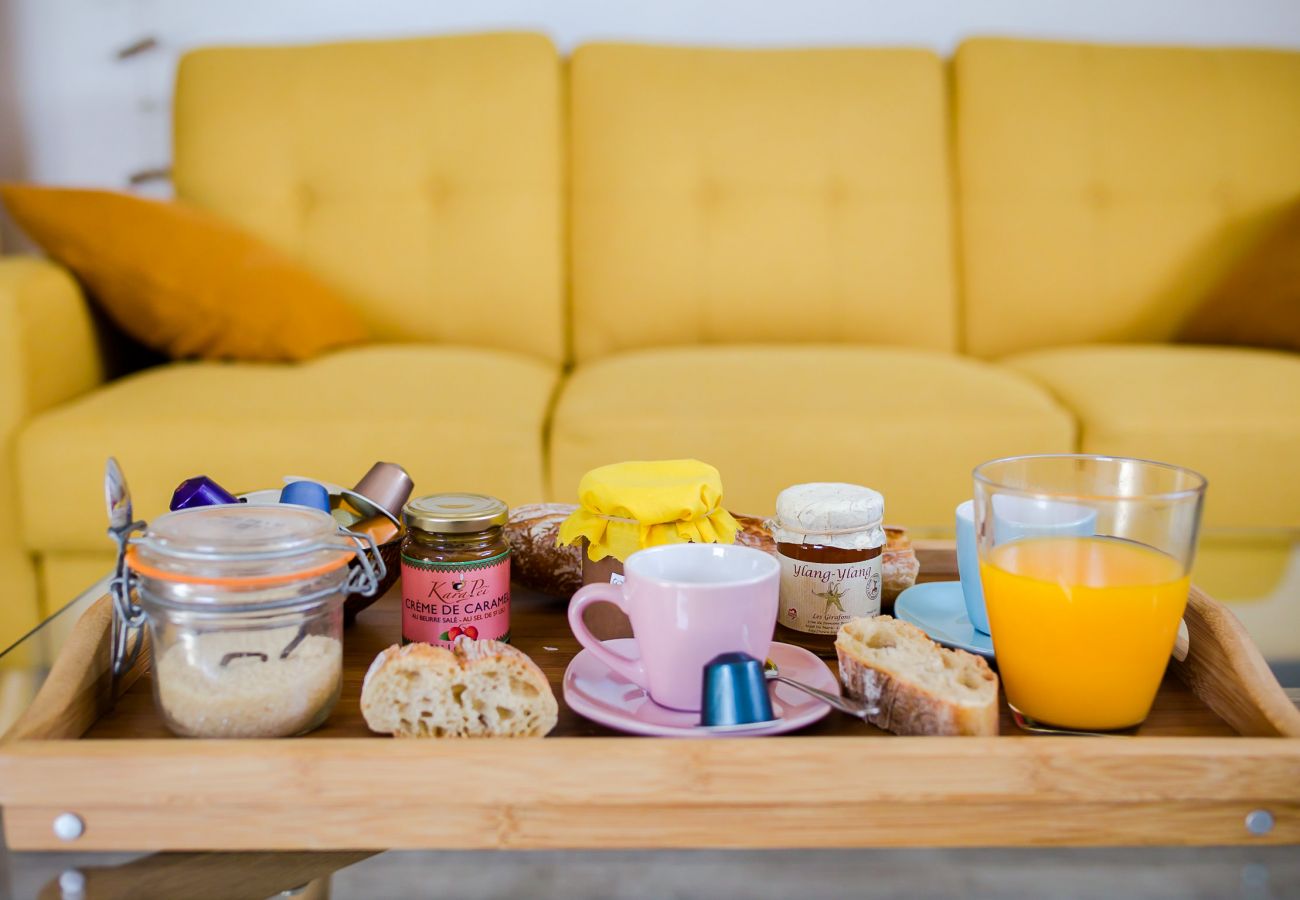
(476,689)
(540,562)
(918,686)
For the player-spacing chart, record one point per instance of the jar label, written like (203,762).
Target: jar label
(817,598)
(441,601)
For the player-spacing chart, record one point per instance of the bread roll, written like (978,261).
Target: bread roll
(754,533)
(919,687)
(476,689)
(898,566)
(540,563)
(537,559)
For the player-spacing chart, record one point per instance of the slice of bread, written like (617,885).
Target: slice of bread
(919,687)
(476,689)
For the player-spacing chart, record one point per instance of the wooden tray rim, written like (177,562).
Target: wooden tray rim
(609,792)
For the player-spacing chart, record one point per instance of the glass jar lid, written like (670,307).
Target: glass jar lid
(240,544)
(454,513)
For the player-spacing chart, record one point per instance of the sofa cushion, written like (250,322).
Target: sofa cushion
(423,177)
(910,423)
(182,282)
(759,195)
(1258,303)
(1106,189)
(1231,414)
(457,419)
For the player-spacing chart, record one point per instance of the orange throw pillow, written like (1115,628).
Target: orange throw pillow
(181,281)
(1258,304)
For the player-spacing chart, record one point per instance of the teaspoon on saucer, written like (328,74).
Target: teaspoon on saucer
(843,704)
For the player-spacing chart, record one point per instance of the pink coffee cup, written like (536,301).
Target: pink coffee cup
(687,604)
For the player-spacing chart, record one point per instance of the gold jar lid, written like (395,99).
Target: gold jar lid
(454,513)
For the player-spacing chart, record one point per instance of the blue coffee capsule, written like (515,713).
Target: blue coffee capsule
(735,692)
(200,491)
(306,493)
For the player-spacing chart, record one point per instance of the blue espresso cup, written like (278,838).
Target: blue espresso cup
(1013,518)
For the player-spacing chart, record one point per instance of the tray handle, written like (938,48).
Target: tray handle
(79,688)
(1225,669)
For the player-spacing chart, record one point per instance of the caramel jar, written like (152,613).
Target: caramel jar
(455,569)
(830,543)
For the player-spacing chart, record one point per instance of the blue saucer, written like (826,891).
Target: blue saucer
(939,609)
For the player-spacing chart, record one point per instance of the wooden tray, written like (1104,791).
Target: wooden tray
(1204,761)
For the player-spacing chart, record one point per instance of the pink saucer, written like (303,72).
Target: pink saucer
(596,693)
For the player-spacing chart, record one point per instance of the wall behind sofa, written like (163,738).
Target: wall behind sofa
(84,116)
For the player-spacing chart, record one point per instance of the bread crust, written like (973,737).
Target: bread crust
(906,707)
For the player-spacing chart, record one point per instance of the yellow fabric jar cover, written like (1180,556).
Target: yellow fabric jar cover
(628,506)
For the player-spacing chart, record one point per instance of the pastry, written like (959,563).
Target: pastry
(919,687)
(475,689)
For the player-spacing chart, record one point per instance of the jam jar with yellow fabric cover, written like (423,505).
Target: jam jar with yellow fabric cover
(628,506)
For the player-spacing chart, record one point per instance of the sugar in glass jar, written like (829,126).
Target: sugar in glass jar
(243,605)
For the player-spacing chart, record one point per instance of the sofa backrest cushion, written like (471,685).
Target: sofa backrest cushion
(749,196)
(422,177)
(1105,189)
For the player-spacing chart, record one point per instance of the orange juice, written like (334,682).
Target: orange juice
(1082,627)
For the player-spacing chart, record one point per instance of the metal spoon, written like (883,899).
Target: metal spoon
(843,704)
(121,523)
(118,498)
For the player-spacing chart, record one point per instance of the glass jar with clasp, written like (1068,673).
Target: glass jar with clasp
(243,608)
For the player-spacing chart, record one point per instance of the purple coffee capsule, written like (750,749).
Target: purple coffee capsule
(200,491)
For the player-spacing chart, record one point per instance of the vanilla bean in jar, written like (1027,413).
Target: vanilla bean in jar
(455,569)
(830,543)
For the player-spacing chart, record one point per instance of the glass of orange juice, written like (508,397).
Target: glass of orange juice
(1083,622)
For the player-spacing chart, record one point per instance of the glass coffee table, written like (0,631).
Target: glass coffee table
(1256,574)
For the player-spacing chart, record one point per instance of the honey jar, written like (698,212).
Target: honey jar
(830,543)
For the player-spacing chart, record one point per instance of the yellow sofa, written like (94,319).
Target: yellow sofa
(849,264)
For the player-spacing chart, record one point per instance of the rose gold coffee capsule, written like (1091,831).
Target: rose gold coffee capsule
(387,486)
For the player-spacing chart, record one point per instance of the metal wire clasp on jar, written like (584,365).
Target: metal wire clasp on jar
(243,607)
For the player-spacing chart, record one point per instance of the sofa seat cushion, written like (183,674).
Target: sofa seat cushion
(1231,414)
(910,423)
(457,419)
